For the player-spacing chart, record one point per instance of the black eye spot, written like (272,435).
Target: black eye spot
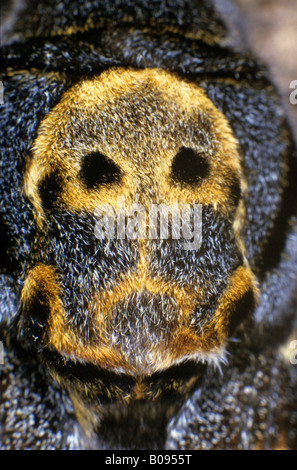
(35,316)
(189,167)
(97,169)
(7,262)
(241,309)
(49,190)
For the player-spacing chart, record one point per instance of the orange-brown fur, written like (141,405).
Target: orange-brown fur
(144,181)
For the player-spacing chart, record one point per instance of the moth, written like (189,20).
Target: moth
(149,238)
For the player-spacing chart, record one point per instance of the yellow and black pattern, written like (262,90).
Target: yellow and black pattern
(130,328)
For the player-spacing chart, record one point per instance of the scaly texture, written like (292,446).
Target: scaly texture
(150,103)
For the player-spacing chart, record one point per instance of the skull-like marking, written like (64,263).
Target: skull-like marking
(134,307)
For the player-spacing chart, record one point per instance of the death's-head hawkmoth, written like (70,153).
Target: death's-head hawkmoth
(148,219)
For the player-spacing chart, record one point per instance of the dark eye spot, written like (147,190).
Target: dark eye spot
(35,315)
(97,169)
(241,309)
(7,262)
(189,167)
(49,190)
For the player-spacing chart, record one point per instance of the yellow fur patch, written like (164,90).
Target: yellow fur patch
(101,115)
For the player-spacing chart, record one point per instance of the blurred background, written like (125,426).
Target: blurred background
(271,32)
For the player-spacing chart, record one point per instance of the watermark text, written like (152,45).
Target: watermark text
(293,352)
(160,221)
(293,94)
(1,353)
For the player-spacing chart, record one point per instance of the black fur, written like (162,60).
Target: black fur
(253,398)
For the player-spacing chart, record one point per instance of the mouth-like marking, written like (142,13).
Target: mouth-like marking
(104,385)
(135,332)
(93,389)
